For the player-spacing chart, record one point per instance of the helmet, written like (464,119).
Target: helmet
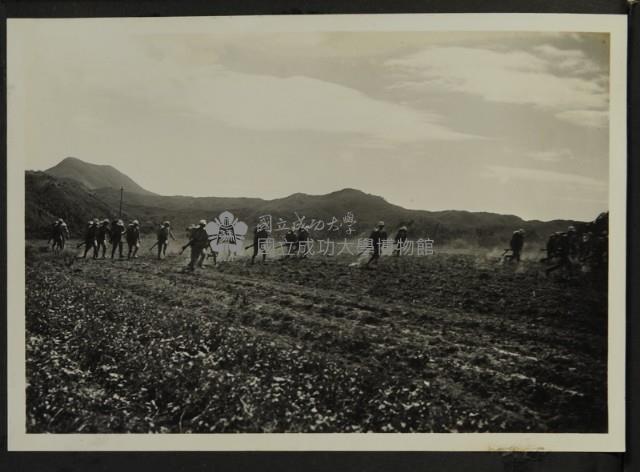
(60,220)
(166,223)
(202,223)
(105,222)
(572,228)
(91,222)
(380,223)
(120,223)
(403,228)
(135,222)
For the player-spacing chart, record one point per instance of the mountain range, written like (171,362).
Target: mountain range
(78,191)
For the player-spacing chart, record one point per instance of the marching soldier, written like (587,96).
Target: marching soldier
(198,241)
(377,236)
(115,237)
(164,233)
(574,242)
(302,241)
(399,240)
(90,239)
(101,237)
(56,237)
(563,252)
(133,239)
(290,242)
(260,235)
(64,231)
(516,243)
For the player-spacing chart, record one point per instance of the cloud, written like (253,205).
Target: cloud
(506,174)
(587,118)
(552,155)
(111,81)
(515,77)
(571,60)
(293,103)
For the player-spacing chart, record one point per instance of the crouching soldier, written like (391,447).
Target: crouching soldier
(198,241)
(133,239)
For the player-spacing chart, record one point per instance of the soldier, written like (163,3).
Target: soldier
(574,242)
(90,239)
(516,244)
(586,246)
(260,235)
(115,237)
(133,239)
(599,250)
(64,231)
(399,240)
(290,242)
(552,245)
(164,233)
(198,241)
(563,252)
(302,241)
(101,237)
(377,236)
(55,237)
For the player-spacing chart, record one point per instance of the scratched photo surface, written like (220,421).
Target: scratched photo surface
(316,232)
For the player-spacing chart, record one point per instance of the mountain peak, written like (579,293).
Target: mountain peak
(94,176)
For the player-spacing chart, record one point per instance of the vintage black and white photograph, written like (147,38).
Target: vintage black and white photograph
(332,225)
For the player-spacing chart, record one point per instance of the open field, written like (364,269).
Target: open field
(443,343)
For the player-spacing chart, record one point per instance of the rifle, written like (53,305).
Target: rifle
(154,245)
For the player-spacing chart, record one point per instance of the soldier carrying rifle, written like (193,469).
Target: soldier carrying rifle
(377,236)
(115,237)
(90,239)
(260,236)
(163,235)
(198,242)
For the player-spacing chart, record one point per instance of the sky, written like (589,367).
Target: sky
(506,122)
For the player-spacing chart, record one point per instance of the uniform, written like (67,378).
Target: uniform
(377,236)
(90,239)
(198,241)
(563,253)
(133,239)
(290,243)
(259,240)
(164,233)
(115,237)
(101,237)
(302,241)
(516,244)
(57,236)
(400,240)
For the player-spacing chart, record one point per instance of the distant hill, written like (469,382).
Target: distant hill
(49,197)
(452,227)
(94,176)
